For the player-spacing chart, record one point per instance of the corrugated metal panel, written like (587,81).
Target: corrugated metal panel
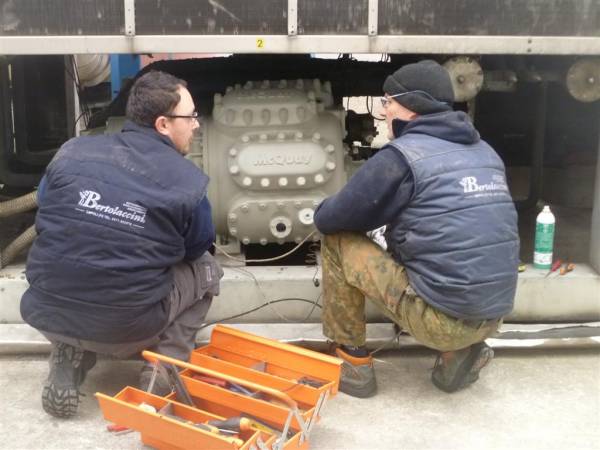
(219,17)
(490,17)
(332,16)
(60,17)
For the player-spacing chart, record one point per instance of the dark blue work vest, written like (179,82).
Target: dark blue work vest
(110,225)
(458,236)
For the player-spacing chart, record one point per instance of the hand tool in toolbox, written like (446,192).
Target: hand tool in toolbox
(247,393)
(568,267)
(555,266)
(241,423)
(293,413)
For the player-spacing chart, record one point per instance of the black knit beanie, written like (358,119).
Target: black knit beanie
(427,76)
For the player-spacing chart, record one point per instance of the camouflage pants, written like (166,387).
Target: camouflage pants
(355,268)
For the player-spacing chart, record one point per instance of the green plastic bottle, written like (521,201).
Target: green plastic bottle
(544,239)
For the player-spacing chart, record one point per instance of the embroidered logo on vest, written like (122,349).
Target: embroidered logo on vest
(132,213)
(470,185)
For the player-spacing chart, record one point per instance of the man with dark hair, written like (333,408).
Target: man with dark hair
(451,232)
(121,261)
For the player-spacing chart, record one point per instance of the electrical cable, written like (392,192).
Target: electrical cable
(312,259)
(275,258)
(74,74)
(369,110)
(264,296)
(385,344)
(77,120)
(271,302)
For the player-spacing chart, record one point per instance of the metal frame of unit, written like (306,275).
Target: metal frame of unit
(275,44)
(373,42)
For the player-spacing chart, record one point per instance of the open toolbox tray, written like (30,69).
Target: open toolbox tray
(279,388)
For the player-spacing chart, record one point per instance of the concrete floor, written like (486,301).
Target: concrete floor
(526,399)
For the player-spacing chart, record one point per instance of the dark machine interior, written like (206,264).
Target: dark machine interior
(541,132)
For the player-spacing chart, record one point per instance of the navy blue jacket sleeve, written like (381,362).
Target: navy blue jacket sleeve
(201,233)
(373,197)
(41,190)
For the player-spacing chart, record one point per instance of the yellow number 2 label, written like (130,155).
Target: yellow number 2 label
(260,43)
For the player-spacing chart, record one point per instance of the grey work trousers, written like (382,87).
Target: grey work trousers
(194,285)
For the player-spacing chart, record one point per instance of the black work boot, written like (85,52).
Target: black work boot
(461,368)
(358,375)
(68,368)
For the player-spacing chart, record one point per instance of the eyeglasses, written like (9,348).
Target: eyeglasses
(385,101)
(192,116)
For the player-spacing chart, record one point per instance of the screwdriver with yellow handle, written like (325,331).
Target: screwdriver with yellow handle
(240,423)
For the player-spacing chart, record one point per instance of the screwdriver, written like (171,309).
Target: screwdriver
(239,423)
(555,266)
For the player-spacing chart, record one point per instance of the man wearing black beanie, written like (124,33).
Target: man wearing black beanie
(446,272)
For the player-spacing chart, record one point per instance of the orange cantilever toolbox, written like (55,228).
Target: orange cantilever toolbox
(277,390)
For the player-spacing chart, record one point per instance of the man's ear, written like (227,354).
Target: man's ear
(161,124)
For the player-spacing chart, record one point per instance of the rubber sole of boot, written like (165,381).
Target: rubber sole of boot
(485,356)
(63,401)
(364,391)
(468,372)
(60,402)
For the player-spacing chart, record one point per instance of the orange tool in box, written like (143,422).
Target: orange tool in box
(275,390)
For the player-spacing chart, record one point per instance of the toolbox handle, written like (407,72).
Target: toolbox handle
(153,357)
